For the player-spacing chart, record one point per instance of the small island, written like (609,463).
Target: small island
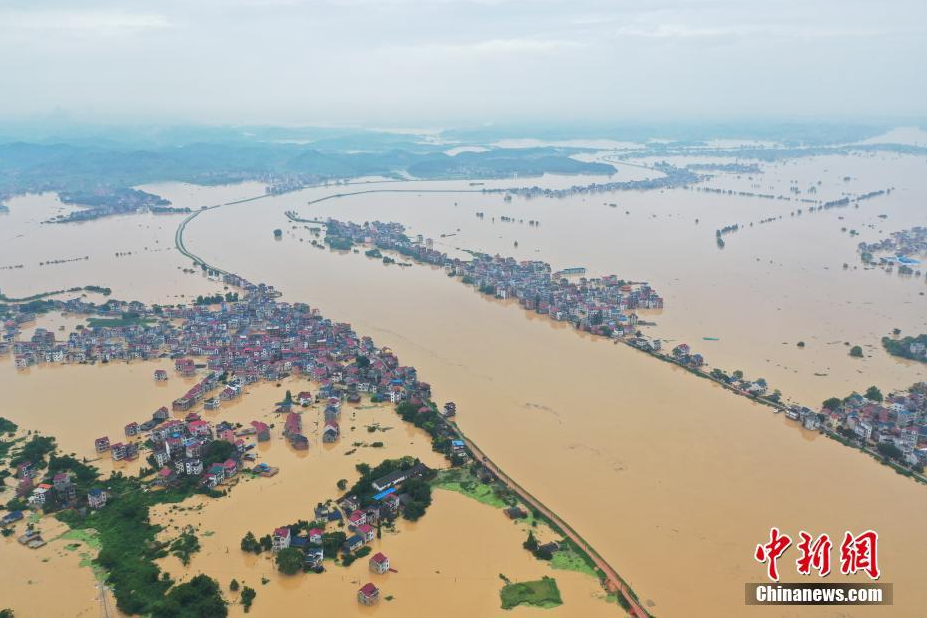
(913,348)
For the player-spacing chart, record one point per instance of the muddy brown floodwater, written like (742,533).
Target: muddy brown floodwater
(672,479)
(447,563)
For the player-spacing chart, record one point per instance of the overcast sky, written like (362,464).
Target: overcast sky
(429,63)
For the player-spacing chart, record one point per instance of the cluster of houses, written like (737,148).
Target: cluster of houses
(361,517)
(31,538)
(104,202)
(61,492)
(178,447)
(901,245)
(240,343)
(684,355)
(900,420)
(251,340)
(231,345)
(602,305)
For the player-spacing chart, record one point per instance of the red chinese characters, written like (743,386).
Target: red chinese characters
(769,553)
(860,553)
(815,554)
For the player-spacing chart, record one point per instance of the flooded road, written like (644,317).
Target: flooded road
(643,459)
(668,476)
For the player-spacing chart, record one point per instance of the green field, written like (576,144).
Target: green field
(567,558)
(541,593)
(462,481)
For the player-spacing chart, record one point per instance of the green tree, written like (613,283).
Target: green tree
(856,352)
(197,598)
(290,561)
(832,404)
(233,585)
(420,493)
(247,597)
(413,511)
(332,542)
(889,450)
(250,544)
(531,544)
(218,451)
(738,374)
(185,546)
(873,394)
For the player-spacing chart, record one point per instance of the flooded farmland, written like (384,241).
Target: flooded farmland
(645,460)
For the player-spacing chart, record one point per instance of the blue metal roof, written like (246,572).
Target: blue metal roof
(384,493)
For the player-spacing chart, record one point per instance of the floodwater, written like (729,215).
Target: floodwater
(49,581)
(82,402)
(671,465)
(133,255)
(773,285)
(671,478)
(79,403)
(449,562)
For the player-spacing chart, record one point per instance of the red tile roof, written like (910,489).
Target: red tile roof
(368,590)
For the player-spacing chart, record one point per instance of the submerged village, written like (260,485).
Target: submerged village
(226,344)
(229,342)
(891,427)
(240,343)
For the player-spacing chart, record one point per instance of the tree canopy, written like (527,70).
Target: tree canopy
(289,561)
(197,598)
(873,394)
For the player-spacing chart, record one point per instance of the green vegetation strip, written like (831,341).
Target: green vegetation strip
(570,558)
(86,536)
(25,299)
(129,547)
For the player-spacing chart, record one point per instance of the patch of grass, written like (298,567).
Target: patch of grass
(540,593)
(568,559)
(462,481)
